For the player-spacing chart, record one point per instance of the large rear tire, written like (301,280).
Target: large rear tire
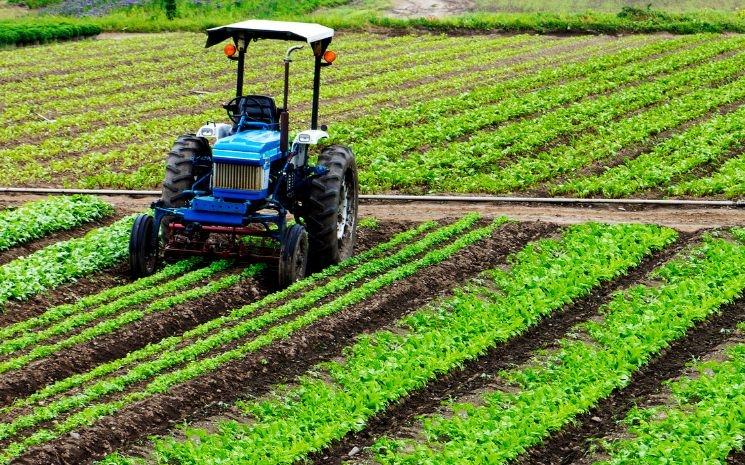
(330,209)
(180,172)
(293,256)
(143,247)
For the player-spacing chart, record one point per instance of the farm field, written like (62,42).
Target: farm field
(437,341)
(583,116)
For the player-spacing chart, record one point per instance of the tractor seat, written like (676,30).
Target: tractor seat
(259,108)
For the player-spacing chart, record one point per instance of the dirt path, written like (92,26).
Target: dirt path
(682,218)
(436,8)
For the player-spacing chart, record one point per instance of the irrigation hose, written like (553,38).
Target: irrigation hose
(417,198)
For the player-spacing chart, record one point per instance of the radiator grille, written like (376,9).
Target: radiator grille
(243,177)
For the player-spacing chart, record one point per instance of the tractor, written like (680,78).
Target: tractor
(229,188)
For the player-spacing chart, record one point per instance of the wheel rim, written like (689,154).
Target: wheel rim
(344,216)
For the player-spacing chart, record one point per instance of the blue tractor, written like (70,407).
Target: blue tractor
(229,188)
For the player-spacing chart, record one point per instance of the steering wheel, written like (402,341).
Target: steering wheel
(235,109)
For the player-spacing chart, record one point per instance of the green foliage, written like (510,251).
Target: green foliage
(106,296)
(34,220)
(177,359)
(65,261)
(169,6)
(32,30)
(384,366)
(368,222)
(703,424)
(637,324)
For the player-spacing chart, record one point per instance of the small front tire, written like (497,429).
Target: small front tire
(293,256)
(143,248)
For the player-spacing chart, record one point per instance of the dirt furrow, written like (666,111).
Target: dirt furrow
(281,362)
(402,415)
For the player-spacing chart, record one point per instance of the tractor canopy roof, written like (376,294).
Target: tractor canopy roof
(264,29)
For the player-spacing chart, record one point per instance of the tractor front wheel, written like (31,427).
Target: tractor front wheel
(330,209)
(143,247)
(293,255)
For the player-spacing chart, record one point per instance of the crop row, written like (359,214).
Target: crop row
(452,117)
(704,424)
(728,179)
(125,107)
(18,32)
(383,367)
(703,143)
(64,261)
(636,325)
(216,76)
(104,297)
(150,146)
(180,358)
(606,141)
(139,154)
(34,220)
(444,165)
(72,67)
(117,314)
(100,371)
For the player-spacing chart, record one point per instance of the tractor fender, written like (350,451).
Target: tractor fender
(310,137)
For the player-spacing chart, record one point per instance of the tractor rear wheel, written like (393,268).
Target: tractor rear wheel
(330,209)
(293,256)
(180,172)
(143,247)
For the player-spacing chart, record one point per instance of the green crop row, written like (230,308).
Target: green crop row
(728,180)
(50,146)
(64,261)
(356,79)
(110,324)
(636,325)
(136,161)
(214,77)
(34,220)
(384,367)
(448,118)
(164,345)
(605,141)
(703,425)
(62,311)
(19,32)
(350,77)
(442,166)
(402,267)
(704,143)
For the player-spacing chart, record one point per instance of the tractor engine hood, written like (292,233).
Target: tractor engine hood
(252,147)
(241,164)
